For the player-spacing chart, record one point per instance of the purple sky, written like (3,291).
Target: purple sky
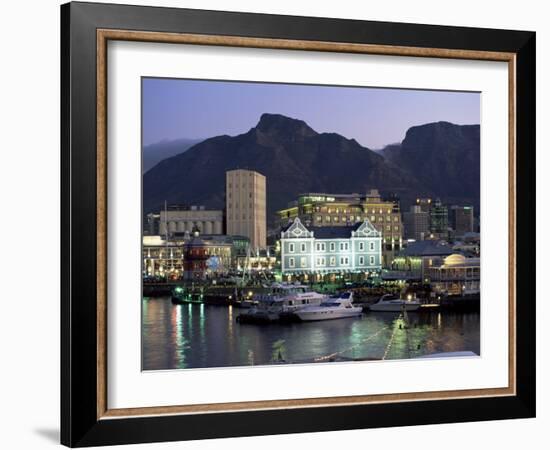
(375,117)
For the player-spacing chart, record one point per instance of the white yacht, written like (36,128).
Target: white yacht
(333,308)
(281,302)
(391,303)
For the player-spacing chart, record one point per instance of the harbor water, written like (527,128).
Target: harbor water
(201,336)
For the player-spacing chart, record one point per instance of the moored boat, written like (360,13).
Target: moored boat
(392,303)
(334,308)
(280,303)
(182,296)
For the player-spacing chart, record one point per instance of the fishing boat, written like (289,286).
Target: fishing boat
(280,303)
(334,308)
(391,303)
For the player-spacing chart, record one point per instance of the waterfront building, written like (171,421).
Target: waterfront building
(245,197)
(456,275)
(181,218)
(439,220)
(462,219)
(329,250)
(195,264)
(162,258)
(260,260)
(168,258)
(345,210)
(414,261)
(416,223)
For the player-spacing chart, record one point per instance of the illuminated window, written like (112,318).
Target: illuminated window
(336,219)
(327,219)
(333,260)
(303,261)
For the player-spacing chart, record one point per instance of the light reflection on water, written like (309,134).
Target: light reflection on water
(198,335)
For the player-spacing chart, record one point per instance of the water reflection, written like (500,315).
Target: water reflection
(198,335)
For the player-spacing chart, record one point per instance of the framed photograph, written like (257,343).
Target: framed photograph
(276,224)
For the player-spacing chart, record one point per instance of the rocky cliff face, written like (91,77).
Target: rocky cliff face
(444,157)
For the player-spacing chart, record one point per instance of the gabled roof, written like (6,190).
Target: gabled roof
(331,232)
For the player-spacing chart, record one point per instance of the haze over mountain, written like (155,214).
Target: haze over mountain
(155,153)
(439,159)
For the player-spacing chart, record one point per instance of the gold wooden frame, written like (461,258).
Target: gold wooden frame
(103,36)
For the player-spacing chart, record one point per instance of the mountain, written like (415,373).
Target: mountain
(294,158)
(437,159)
(444,157)
(155,153)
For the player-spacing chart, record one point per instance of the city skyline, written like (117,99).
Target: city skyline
(198,109)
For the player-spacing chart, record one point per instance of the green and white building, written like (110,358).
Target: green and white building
(326,250)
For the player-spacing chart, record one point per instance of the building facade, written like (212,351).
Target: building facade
(456,275)
(245,197)
(414,261)
(344,210)
(170,258)
(324,250)
(416,223)
(439,220)
(180,218)
(462,219)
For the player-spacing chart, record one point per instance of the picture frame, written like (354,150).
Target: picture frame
(86,418)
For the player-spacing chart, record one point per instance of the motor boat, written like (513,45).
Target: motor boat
(334,308)
(391,303)
(280,303)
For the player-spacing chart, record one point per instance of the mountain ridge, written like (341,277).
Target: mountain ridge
(295,159)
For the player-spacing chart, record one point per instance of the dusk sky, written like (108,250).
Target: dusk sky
(375,117)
